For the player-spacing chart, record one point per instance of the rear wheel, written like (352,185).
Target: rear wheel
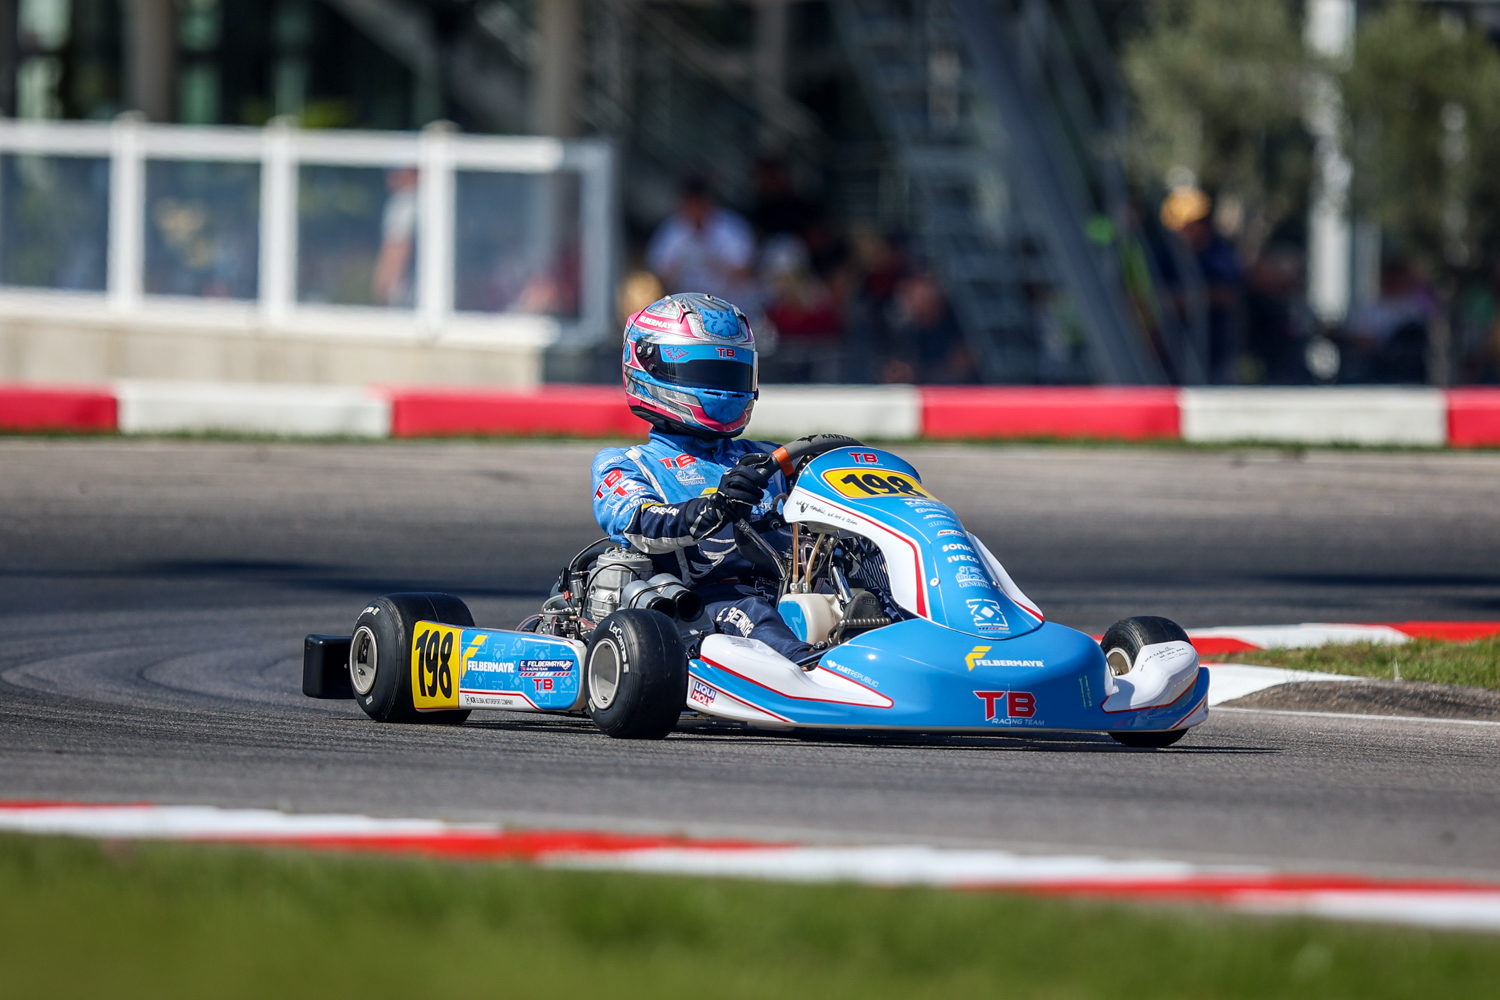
(636,675)
(380,654)
(1124,640)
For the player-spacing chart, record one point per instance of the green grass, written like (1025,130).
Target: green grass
(1476,664)
(79,919)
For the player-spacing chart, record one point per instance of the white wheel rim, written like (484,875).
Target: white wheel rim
(363,660)
(604,674)
(1118,660)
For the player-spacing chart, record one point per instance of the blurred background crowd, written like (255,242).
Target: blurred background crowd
(936,191)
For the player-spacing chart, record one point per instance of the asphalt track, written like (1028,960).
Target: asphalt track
(153,596)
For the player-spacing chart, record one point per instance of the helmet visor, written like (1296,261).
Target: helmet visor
(705,373)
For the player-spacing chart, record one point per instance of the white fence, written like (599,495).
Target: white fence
(436,235)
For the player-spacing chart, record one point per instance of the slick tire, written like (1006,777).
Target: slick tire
(380,655)
(1121,643)
(636,675)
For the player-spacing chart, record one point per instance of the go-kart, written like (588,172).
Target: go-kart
(915,625)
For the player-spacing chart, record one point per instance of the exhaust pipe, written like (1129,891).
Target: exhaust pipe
(664,593)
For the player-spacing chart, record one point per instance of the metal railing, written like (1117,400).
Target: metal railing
(432,235)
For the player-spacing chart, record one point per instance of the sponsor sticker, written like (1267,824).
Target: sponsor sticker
(976,658)
(1009,707)
(968,576)
(702,693)
(613,484)
(488,666)
(950,531)
(854,674)
(987,615)
(545,668)
(475,699)
(736,618)
(825,515)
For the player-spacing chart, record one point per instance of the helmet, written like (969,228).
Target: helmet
(690,366)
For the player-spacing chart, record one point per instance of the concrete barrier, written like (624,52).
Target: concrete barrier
(1474,418)
(1396,415)
(251,408)
(997,412)
(68,409)
(874,412)
(546,411)
(1386,416)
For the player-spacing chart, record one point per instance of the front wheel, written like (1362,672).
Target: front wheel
(380,654)
(636,675)
(1154,740)
(1121,644)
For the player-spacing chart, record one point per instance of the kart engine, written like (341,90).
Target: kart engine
(623,579)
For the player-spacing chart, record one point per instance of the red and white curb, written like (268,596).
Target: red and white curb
(1229,681)
(1243,638)
(1446,904)
(1393,416)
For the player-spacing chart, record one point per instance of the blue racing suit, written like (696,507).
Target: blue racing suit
(653,498)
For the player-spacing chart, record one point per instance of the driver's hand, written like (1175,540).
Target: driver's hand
(743,486)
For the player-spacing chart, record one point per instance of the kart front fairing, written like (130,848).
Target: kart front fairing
(977,655)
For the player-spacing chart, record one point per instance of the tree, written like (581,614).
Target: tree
(1218,88)
(1423,97)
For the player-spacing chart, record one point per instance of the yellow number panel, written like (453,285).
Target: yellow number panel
(436,665)
(872,484)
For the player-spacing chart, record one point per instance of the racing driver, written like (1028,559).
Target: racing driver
(690,371)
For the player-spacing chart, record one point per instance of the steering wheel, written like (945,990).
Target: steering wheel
(790,457)
(793,455)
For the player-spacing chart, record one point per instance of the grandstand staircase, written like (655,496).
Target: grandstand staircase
(1001,112)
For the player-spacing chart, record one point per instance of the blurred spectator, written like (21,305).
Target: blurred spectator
(1186,211)
(1059,334)
(806,314)
(552,290)
(780,210)
(392,281)
(778,207)
(1389,336)
(868,282)
(929,346)
(637,291)
(1277,323)
(703,247)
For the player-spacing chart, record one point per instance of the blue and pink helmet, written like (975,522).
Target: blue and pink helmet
(690,366)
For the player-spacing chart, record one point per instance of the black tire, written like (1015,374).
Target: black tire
(1153,740)
(636,675)
(1121,644)
(380,655)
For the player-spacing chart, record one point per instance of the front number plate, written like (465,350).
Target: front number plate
(436,666)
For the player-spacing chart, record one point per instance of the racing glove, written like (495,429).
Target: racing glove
(742,487)
(663,527)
